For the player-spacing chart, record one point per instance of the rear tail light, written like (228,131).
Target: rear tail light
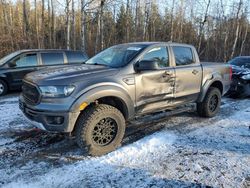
(231,72)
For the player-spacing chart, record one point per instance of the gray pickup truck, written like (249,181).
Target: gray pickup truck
(95,100)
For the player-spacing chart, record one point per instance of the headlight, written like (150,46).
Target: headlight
(57,91)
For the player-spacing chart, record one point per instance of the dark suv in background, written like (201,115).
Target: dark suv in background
(240,86)
(16,65)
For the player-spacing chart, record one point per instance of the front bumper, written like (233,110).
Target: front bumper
(59,121)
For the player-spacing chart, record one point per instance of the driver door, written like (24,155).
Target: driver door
(155,88)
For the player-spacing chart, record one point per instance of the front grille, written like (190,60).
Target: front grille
(30,93)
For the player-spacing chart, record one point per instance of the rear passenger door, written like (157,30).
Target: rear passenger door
(52,58)
(188,75)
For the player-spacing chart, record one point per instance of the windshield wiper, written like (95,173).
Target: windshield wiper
(100,64)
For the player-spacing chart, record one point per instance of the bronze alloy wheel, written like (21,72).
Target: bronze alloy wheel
(100,129)
(104,131)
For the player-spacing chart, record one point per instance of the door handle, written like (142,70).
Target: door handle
(195,72)
(167,74)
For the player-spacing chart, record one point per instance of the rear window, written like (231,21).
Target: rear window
(52,58)
(76,57)
(183,55)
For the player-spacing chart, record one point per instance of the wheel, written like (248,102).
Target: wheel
(210,105)
(3,88)
(100,129)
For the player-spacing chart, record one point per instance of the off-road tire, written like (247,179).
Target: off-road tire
(203,107)
(4,88)
(88,120)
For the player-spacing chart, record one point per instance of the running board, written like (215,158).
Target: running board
(160,116)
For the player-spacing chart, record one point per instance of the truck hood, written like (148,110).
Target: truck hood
(69,74)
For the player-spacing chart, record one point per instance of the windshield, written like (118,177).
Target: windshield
(8,57)
(240,62)
(116,56)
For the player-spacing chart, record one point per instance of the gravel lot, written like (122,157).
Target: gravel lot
(179,151)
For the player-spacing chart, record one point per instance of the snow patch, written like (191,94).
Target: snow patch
(125,160)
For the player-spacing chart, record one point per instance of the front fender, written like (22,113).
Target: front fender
(93,94)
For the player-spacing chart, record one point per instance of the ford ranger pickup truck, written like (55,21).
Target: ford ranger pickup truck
(94,101)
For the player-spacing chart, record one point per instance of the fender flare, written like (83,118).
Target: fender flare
(215,78)
(91,95)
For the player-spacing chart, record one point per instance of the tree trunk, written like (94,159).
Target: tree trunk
(67,25)
(73,26)
(147,14)
(181,21)
(42,26)
(237,30)
(172,22)
(83,26)
(97,40)
(25,20)
(127,26)
(202,26)
(37,27)
(101,25)
(244,39)
(49,25)
(53,27)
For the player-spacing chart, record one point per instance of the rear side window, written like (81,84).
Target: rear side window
(27,60)
(183,55)
(52,58)
(76,57)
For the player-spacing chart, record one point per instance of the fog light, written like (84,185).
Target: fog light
(56,120)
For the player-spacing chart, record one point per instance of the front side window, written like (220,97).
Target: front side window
(26,60)
(159,54)
(54,58)
(183,55)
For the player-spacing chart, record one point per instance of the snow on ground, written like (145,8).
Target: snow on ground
(183,151)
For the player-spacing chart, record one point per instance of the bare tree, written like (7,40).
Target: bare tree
(83,25)
(67,24)
(25,20)
(73,25)
(53,24)
(42,25)
(202,25)
(37,26)
(181,19)
(101,24)
(172,22)
(244,40)
(237,28)
(146,21)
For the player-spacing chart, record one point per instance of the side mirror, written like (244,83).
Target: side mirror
(146,65)
(12,64)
